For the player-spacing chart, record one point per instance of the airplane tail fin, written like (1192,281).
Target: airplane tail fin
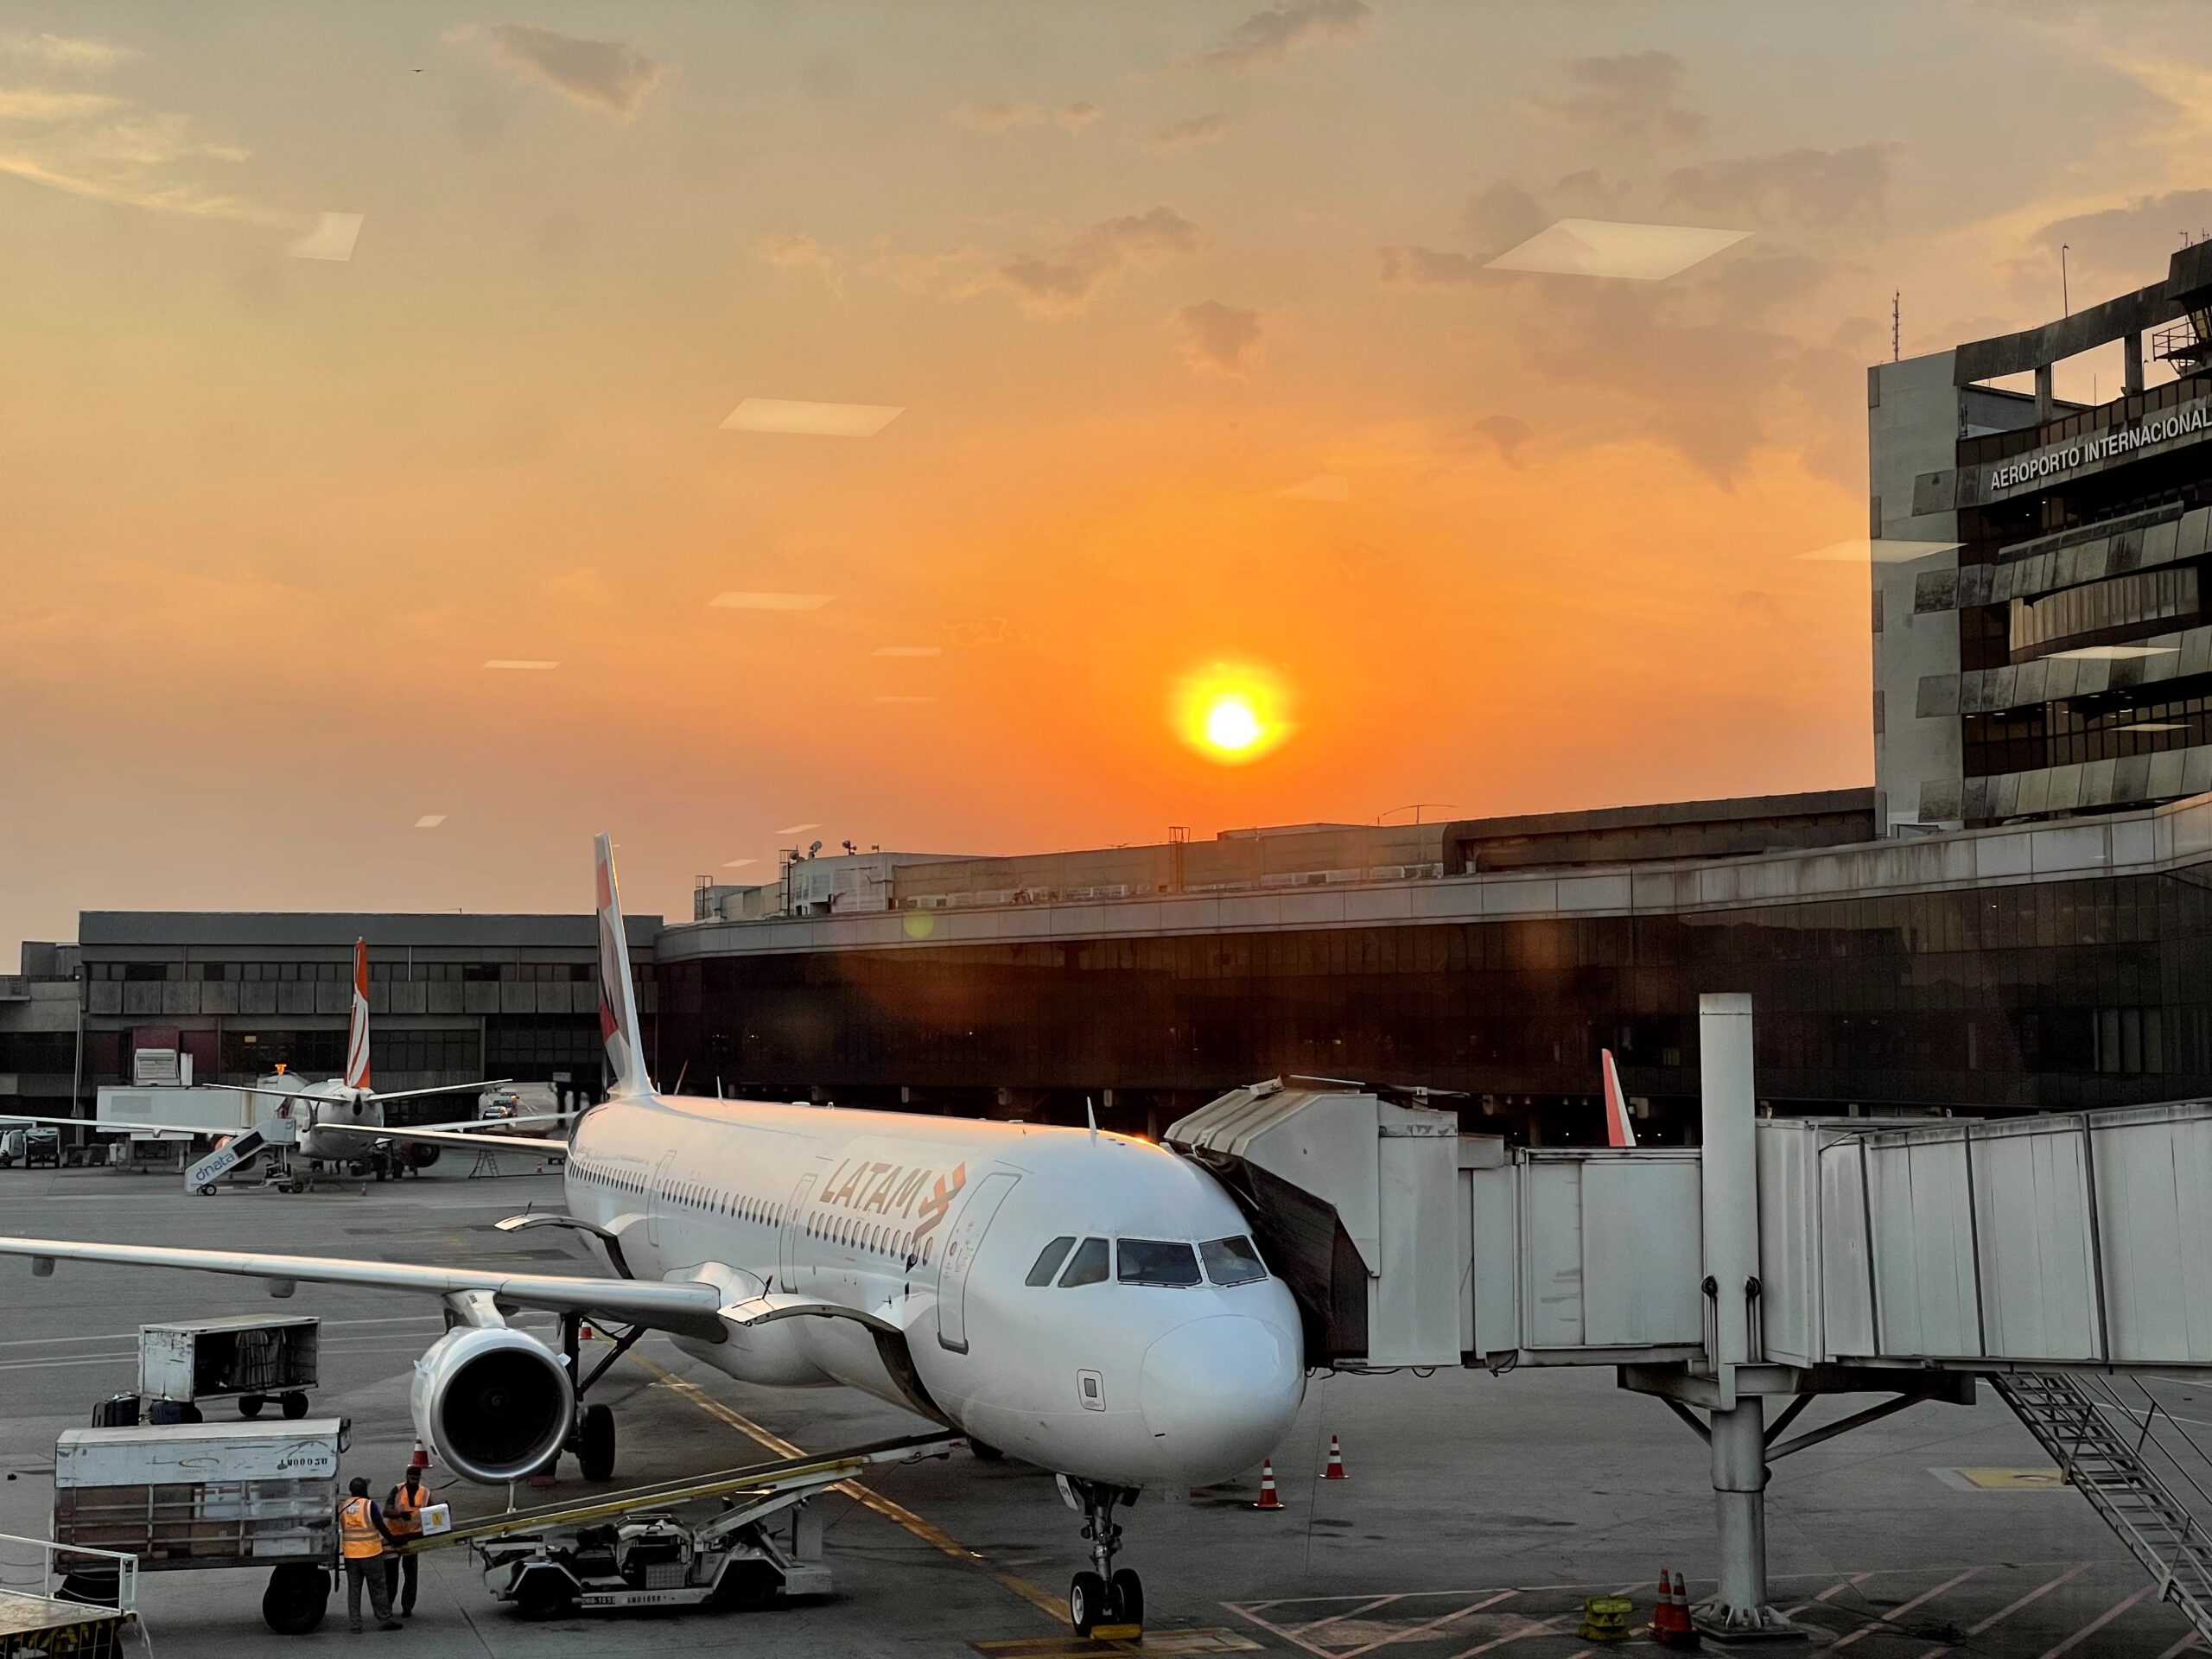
(357,1026)
(618,996)
(1619,1131)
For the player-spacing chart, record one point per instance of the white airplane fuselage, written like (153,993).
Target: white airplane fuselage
(933,1226)
(333,1104)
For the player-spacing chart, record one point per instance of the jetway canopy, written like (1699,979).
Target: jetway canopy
(2032,1243)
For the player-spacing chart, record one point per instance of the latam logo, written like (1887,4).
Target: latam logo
(2106,446)
(886,1189)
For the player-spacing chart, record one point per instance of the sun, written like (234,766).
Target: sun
(1232,715)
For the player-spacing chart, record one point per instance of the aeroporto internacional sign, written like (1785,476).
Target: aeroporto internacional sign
(2039,469)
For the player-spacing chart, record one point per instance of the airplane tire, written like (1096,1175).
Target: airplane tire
(544,1592)
(295,1406)
(1127,1593)
(296,1599)
(1087,1603)
(595,1444)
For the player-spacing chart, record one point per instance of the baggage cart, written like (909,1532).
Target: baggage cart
(199,1497)
(93,1615)
(253,1360)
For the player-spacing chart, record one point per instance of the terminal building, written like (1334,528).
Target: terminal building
(2016,916)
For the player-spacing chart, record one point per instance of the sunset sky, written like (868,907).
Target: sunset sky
(1184,311)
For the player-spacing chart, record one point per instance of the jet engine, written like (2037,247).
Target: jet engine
(493,1402)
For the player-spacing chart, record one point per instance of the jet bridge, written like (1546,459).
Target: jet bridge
(1778,1260)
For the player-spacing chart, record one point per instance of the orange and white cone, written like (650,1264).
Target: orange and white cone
(1269,1498)
(422,1458)
(1336,1469)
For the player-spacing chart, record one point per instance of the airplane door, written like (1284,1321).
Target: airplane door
(657,1198)
(960,1247)
(794,1230)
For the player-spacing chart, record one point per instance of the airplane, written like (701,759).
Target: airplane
(1619,1131)
(334,1122)
(1090,1303)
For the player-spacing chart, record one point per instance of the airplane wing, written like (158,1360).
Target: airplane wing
(693,1309)
(453,1137)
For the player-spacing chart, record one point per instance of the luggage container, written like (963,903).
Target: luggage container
(252,1360)
(202,1497)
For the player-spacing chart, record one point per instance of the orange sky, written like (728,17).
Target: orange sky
(1186,310)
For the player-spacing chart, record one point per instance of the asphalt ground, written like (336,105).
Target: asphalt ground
(1478,1513)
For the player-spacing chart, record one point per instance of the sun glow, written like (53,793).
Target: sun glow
(1231,716)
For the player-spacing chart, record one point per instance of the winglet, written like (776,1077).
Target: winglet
(357,1026)
(618,997)
(1619,1131)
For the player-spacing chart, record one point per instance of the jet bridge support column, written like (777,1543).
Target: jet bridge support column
(1737,1428)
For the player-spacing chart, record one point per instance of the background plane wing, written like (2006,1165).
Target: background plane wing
(694,1309)
(475,1141)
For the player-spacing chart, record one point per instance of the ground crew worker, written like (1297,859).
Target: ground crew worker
(362,1535)
(403,1515)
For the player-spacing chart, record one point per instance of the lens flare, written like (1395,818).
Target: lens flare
(1232,716)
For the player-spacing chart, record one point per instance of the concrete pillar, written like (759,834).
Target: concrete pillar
(2131,378)
(2046,397)
(1729,1170)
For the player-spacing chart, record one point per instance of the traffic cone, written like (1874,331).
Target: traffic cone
(365,1189)
(583,1333)
(1670,1614)
(422,1458)
(1269,1498)
(1689,1637)
(1336,1469)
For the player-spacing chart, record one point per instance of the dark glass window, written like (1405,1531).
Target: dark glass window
(1049,1260)
(1156,1261)
(1090,1265)
(1232,1261)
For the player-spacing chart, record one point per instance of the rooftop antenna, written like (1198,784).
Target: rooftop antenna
(1091,1116)
(1897,313)
(2065,294)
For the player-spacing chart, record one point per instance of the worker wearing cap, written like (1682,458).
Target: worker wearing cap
(403,1514)
(362,1535)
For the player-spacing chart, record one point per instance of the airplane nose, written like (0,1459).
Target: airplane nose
(1217,1393)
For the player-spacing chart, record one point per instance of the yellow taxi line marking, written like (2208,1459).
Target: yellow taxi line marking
(928,1531)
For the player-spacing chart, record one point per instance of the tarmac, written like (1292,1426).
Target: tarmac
(1478,1513)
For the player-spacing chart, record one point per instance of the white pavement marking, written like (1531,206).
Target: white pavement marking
(1305,1631)
(1900,1611)
(1414,1632)
(2006,1613)
(2096,1624)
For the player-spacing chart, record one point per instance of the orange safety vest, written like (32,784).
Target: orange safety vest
(404,1514)
(358,1537)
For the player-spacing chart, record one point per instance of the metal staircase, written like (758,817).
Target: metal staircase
(2138,1466)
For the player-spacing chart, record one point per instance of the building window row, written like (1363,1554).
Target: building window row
(2040,626)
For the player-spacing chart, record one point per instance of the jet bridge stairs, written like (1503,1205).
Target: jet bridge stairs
(2066,1261)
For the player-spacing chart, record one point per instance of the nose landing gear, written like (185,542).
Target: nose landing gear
(1106,1599)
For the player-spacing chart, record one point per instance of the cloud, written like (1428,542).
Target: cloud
(1271,35)
(1503,433)
(2134,242)
(1220,338)
(1502,215)
(28,104)
(609,76)
(1062,283)
(1810,186)
(1191,130)
(794,250)
(1430,267)
(111,150)
(65,52)
(1012,118)
(1631,97)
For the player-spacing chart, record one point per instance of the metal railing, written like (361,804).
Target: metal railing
(29,1565)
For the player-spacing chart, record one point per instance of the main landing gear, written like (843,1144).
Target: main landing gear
(1106,1598)
(593,1438)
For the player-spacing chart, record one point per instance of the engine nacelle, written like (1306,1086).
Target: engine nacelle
(493,1403)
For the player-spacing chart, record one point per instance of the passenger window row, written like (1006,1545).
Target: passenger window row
(1161,1261)
(873,1237)
(689,1195)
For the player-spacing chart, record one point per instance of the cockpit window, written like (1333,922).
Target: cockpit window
(1089,1266)
(1157,1262)
(1232,1261)
(1049,1260)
